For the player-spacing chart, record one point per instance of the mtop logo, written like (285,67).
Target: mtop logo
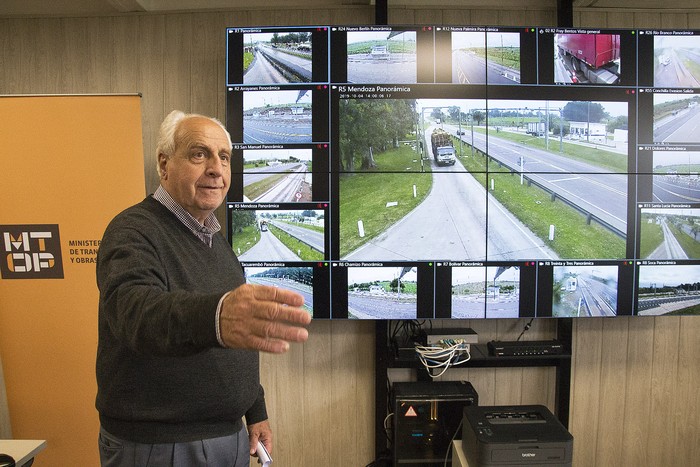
(30,252)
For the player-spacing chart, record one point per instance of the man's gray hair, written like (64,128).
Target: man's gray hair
(168,129)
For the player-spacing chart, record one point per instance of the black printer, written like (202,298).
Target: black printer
(517,435)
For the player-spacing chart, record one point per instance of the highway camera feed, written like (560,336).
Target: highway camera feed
(299,279)
(669,233)
(438,188)
(278,235)
(581,291)
(273,58)
(277,117)
(384,292)
(672,289)
(677,61)
(676,118)
(479,58)
(381,57)
(675,178)
(277,175)
(587,59)
(485,292)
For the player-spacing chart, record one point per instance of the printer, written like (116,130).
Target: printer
(518,435)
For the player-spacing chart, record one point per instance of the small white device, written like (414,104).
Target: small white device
(264,457)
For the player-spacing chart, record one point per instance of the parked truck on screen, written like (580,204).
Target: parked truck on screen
(595,57)
(443,149)
(535,128)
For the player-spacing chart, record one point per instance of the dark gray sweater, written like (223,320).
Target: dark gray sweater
(161,374)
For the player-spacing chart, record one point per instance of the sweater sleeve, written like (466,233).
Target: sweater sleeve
(258,411)
(140,307)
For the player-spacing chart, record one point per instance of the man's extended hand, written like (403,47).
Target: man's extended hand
(263,318)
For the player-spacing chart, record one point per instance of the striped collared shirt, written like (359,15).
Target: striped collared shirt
(204,232)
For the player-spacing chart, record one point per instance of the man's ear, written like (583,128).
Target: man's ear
(162,166)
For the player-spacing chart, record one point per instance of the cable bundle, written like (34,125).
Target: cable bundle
(448,353)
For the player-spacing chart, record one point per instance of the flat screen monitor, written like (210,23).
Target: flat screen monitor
(416,172)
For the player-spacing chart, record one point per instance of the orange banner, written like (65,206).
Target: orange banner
(69,164)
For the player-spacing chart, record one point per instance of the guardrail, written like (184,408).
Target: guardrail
(289,70)
(590,217)
(302,240)
(653,302)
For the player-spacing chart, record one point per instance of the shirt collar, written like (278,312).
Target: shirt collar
(211,223)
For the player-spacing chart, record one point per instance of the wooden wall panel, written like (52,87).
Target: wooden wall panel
(585,389)
(617,19)
(124,40)
(627,372)
(318,404)
(365,399)
(98,59)
(649,19)
(611,407)
(429,16)
(207,69)
(350,380)
(485,17)
(72,77)
(640,343)
(48,38)
(664,360)
(674,20)
(177,65)
(352,16)
(4,46)
(588,19)
(402,16)
(150,52)
(538,384)
(686,397)
(11,58)
(35,48)
(283,379)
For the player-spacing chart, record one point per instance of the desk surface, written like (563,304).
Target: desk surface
(22,450)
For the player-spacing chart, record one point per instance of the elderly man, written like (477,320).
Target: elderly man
(179,330)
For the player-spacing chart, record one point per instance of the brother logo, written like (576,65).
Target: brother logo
(529,454)
(30,252)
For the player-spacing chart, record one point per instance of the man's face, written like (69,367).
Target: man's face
(198,175)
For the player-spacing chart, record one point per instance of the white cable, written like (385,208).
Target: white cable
(444,356)
(387,418)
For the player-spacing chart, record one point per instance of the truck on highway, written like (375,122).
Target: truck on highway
(596,57)
(535,128)
(443,150)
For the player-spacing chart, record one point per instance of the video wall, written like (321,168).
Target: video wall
(391,172)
